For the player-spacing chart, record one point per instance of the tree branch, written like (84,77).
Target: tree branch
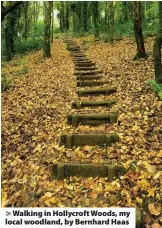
(6,9)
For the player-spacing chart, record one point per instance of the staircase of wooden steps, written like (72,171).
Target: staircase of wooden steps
(88,75)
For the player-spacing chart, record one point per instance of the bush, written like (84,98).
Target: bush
(157,88)
(5,83)
(22,46)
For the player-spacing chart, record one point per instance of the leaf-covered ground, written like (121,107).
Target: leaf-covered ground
(34,113)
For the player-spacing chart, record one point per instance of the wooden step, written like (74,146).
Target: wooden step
(77,55)
(73,49)
(66,170)
(97,92)
(86,68)
(83,63)
(81,104)
(88,78)
(89,83)
(91,119)
(75,140)
(88,73)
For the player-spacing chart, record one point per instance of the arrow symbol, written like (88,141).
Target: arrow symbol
(8,213)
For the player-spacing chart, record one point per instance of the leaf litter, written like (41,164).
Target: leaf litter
(34,113)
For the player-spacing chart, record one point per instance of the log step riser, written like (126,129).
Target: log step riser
(91,119)
(76,140)
(85,68)
(85,78)
(96,92)
(90,84)
(66,170)
(81,104)
(89,73)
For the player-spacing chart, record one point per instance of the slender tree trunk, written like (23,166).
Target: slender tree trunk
(67,16)
(95,19)
(52,23)
(106,14)
(157,50)
(79,16)
(74,21)
(111,20)
(137,19)
(7,39)
(47,24)
(85,17)
(62,17)
(10,34)
(25,29)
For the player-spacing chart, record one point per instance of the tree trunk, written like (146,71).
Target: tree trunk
(8,40)
(106,14)
(10,34)
(157,50)
(85,17)
(47,24)
(67,17)
(6,9)
(25,29)
(137,19)
(111,20)
(62,17)
(52,23)
(96,19)
(79,16)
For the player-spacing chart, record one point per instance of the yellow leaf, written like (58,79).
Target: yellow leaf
(4,199)
(139,200)
(87,148)
(60,205)
(157,175)
(126,165)
(143,184)
(94,195)
(87,202)
(151,192)
(153,210)
(48,194)
(53,200)
(135,128)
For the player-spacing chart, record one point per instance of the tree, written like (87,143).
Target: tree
(125,10)
(6,9)
(47,25)
(10,32)
(85,16)
(67,16)
(95,10)
(137,21)
(52,24)
(111,9)
(25,12)
(62,16)
(157,49)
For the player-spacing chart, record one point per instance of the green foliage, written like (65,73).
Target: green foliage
(5,83)
(22,71)
(160,95)
(157,88)
(22,46)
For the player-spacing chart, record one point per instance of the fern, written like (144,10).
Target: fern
(157,88)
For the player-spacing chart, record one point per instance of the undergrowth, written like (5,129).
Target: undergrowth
(157,88)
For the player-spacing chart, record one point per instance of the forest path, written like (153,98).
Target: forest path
(34,113)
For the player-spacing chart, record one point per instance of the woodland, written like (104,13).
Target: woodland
(81,95)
